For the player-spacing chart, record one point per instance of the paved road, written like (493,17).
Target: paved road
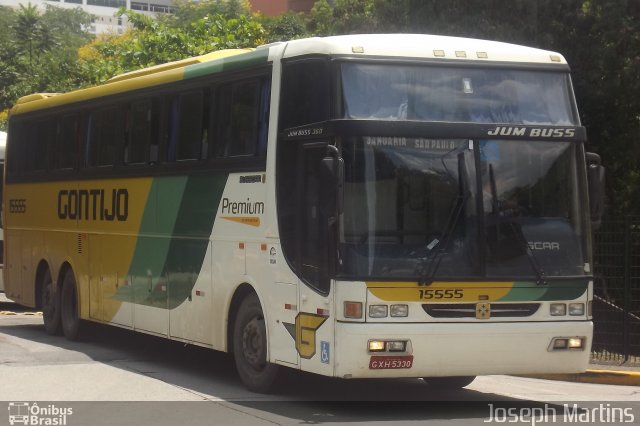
(191,385)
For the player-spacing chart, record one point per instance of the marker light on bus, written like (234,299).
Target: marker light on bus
(399,310)
(353,310)
(576,309)
(558,309)
(378,311)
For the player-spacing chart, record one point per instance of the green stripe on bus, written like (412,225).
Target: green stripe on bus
(527,291)
(231,63)
(153,242)
(191,233)
(173,239)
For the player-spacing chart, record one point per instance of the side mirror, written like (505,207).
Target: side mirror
(596,181)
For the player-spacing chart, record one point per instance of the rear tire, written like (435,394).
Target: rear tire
(69,307)
(250,347)
(453,382)
(50,304)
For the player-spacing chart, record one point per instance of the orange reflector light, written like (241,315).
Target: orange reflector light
(353,310)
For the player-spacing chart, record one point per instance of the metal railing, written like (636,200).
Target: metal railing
(616,307)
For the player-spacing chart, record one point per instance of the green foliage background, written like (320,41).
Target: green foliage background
(48,51)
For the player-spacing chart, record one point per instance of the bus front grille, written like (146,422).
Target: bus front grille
(468,310)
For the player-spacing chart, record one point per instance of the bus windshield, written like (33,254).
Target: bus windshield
(439,93)
(422,208)
(428,208)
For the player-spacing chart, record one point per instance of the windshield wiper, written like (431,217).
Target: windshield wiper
(517,232)
(429,272)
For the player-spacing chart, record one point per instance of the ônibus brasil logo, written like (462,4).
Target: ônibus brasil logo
(27,413)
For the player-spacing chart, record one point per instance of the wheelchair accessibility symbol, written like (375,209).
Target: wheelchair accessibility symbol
(324,352)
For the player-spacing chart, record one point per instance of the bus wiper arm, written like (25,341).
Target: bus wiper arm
(429,272)
(542,278)
(517,232)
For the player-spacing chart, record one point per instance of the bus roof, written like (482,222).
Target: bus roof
(423,46)
(146,77)
(390,45)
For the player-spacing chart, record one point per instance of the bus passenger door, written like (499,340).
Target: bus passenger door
(314,332)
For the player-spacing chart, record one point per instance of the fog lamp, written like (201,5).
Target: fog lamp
(376,346)
(396,346)
(575,343)
(560,344)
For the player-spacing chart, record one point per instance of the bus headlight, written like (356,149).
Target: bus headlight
(378,311)
(558,309)
(399,310)
(576,309)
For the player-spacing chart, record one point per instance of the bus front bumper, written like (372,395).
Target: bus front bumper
(460,349)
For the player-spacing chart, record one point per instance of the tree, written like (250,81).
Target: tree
(38,50)
(151,42)
(288,26)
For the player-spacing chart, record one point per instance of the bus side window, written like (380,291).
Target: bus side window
(188,128)
(102,137)
(39,137)
(141,139)
(66,142)
(240,120)
(17,132)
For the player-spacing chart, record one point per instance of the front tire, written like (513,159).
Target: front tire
(50,300)
(453,382)
(69,307)
(250,347)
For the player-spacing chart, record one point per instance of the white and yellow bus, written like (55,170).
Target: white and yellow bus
(364,206)
(3,143)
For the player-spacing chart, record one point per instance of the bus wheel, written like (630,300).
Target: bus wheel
(50,304)
(453,382)
(250,347)
(69,307)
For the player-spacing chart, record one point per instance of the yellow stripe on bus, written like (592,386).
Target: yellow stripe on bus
(443,292)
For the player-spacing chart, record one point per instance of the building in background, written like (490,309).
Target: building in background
(102,10)
(277,7)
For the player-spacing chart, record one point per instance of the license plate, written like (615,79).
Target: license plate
(390,362)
